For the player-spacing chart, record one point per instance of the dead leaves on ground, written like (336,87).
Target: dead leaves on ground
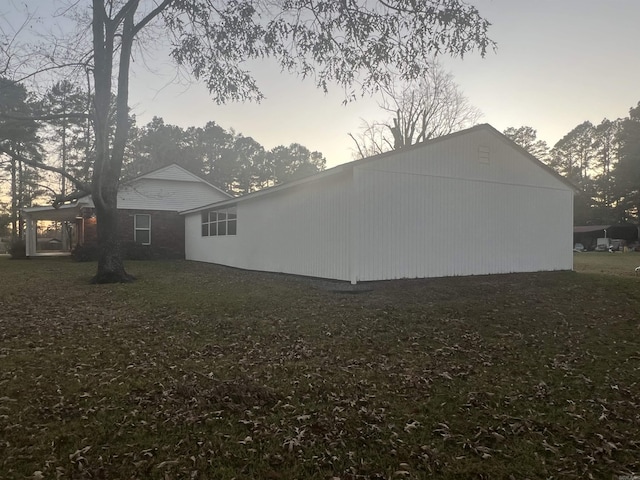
(459,378)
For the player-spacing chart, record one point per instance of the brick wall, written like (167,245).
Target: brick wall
(167,230)
(90,233)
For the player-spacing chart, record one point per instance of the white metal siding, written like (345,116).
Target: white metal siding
(461,157)
(469,204)
(414,227)
(171,195)
(443,210)
(302,230)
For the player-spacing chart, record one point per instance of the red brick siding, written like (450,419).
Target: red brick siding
(167,230)
(90,233)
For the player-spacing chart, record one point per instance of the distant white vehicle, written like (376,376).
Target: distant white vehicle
(578,247)
(603,244)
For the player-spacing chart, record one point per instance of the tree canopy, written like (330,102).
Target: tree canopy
(236,163)
(602,160)
(19,142)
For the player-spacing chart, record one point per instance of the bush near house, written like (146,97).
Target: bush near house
(18,249)
(130,251)
(201,371)
(85,253)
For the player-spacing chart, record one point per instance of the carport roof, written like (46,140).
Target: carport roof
(590,228)
(61,213)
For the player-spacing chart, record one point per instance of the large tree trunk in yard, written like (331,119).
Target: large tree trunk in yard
(110,262)
(110,149)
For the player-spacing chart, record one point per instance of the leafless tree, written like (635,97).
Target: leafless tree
(428,107)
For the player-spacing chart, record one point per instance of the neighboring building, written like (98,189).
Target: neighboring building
(148,209)
(587,235)
(468,203)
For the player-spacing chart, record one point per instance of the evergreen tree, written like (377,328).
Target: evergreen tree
(527,138)
(69,137)
(20,139)
(626,174)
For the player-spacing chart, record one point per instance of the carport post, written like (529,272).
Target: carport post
(30,236)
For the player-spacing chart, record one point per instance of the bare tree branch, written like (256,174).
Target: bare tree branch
(154,13)
(50,68)
(360,151)
(430,107)
(75,195)
(32,163)
(43,117)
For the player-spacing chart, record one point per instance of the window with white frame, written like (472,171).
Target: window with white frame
(142,229)
(216,223)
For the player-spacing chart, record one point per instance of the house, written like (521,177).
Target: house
(468,203)
(148,209)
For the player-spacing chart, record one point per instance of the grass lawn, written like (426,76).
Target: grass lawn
(623,264)
(198,371)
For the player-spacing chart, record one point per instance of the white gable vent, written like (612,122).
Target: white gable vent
(483,155)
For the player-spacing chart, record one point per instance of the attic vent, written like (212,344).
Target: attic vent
(483,155)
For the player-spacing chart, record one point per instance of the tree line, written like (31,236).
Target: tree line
(602,161)
(229,160)
(236,163)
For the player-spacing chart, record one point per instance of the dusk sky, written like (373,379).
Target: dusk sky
(558,63)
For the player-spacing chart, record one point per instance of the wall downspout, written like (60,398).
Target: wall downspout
(353,229)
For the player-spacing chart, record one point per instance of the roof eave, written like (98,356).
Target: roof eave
(195,177)
(275,189)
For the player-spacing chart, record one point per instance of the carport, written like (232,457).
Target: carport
(71,215)
(588,234)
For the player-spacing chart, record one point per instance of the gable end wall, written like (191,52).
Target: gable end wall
(441,211)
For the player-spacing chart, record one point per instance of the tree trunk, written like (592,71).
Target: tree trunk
(110,262)
(108,163)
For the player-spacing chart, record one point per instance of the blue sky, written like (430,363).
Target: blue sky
(558,63)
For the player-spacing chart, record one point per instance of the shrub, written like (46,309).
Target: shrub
(85,253)
(136,251)
(18,249)
(130,251)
